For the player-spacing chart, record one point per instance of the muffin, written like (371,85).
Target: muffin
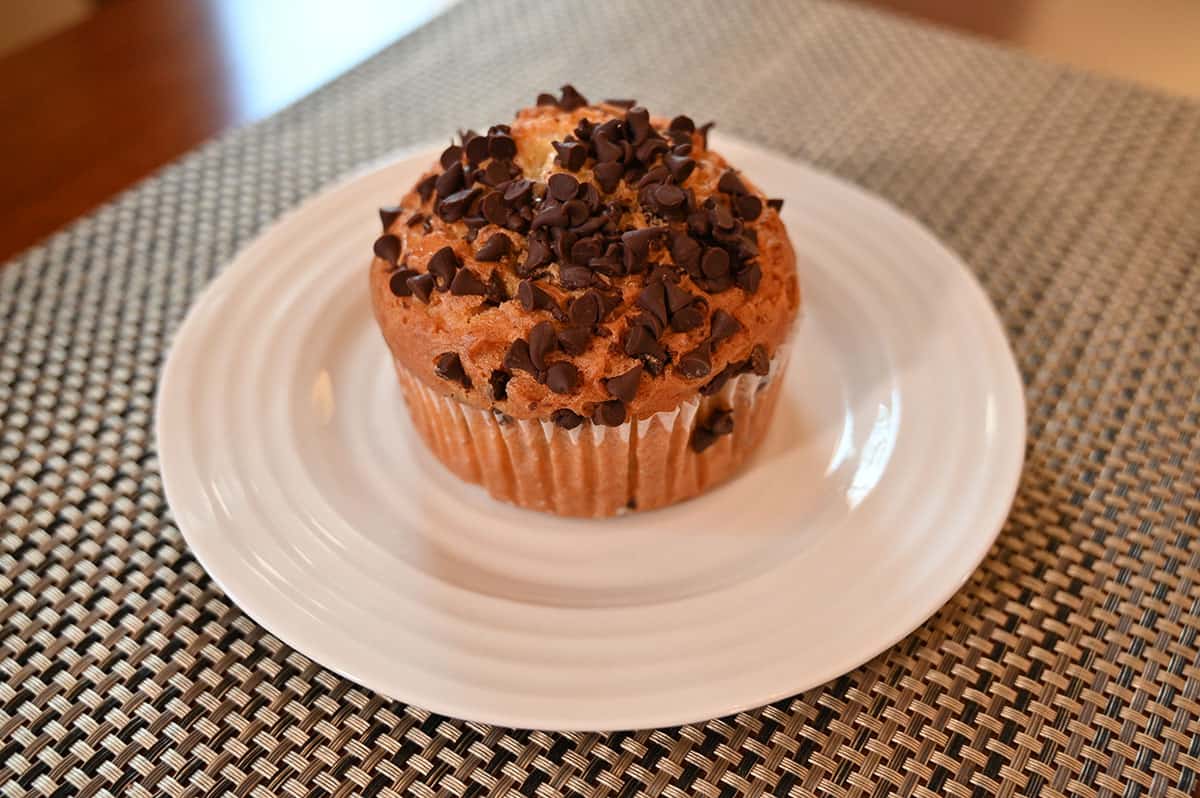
(588,310)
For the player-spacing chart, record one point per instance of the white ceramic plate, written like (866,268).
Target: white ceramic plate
(294,474)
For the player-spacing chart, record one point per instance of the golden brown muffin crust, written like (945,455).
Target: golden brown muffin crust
(720,252)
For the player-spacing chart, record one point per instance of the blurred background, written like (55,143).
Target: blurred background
(103,92)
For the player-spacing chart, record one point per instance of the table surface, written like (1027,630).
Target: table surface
(107,101)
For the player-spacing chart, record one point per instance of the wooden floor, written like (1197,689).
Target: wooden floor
(106,100)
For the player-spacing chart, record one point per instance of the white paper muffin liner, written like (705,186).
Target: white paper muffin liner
(595,470)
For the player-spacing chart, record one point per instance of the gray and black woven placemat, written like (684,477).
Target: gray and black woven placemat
(1068,665)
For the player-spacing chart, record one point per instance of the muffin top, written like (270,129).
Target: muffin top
(589,262)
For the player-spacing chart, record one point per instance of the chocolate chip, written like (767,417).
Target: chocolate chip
(495,248)
(577,212)
(663,273)
(571,155)
(698,224)
(606,150)
(502,146)
(703,130)
(637,121)
(721,218)
(637,245)
(590,197)
(723,325)
(633,173)
(721,422)
(608,176)
(686,252)
(517,358)
(518,191)
(442,266)
(421,286)
(567,419)
(749,207)
(547,99)
(668,197)
(476,147)
(688,318)
(389,214)
(715,263)
(539,255)
(680,166)
(398,282)
(609,414)
(683,123)
(562,186)
(677,299)
(387,247)
(562,241)
(747,249)
(624,386)
(759,362)
(626,152)
(497,172)
(730,183)
(448,366)
(701,439)
(608,303)
(499,381)
(583,131)
(576,277)
(749,278)
(682,149)
(451,155)
(653,298)
(696,363)
(614,129)
(467,283)
(574,340)
(650,149)
(776,204)
(497,291)
(493,209)
(571,99)
(592,225)
(583,250)
(553,216)
(585,310)
(450,181)
(732,236)
(425,187)
(658,174)
(532,297)
(416,219)
(542,342)
(640,341)
(563,377)
(454,207)
(679,137)
(649,321)
(622,103)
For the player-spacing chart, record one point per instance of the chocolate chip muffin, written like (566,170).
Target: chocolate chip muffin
(588,310)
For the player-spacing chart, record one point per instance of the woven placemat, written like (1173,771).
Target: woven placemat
(1067,665)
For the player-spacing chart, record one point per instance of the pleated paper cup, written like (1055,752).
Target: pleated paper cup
(594,470)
